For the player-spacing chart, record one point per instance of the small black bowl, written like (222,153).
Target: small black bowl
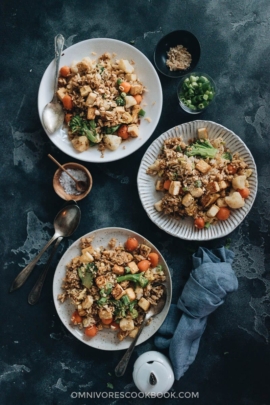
(171,40)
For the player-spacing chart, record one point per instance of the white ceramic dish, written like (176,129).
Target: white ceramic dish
(185,229)
(144,70)
(105,339)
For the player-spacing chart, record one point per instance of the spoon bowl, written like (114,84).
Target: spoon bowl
(65,223)
(53,113)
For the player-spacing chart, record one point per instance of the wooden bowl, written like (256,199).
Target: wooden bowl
(58,188)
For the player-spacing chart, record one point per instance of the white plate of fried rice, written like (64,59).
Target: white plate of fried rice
(105,339)
(184,227)
(151,103)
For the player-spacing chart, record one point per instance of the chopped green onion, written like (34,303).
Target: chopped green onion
(127,270)
(141,113)
(125,300)
(119,81)
(178,148)
(207,225)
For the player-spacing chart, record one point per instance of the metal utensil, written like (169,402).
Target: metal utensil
(53,113)
(81,185)
(65,223)
(34,294)
(154,310)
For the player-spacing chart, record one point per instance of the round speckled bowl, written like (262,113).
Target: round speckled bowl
(106,339)
(59,189)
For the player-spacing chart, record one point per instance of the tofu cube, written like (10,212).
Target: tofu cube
(131,294)
(85,90)
(159,185)
(213,187)
(223,184)
(126,324)
(139,292)
(118,292)
(212,212)
(61,93)
(101,281)
(133,131)
(202,166)
(196,192)
(158,206)
(119,270)
(91,99)
(125,66)
(209,199)
(133,267)
(86,258)
(133,333)
(202,133)
(136,89)
(89,249)
(131,77)
(144,304)
(187,200)
(174,187)
(91,113)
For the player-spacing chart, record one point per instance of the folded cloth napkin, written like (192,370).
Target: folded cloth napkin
(211,279)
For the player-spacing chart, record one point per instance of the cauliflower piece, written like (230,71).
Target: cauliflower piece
(239,182)
(130,101)
(112,141)
(235,200)
(144,304)
(104,313)
(88,302)
(81,143)
(125,66)
(91,99)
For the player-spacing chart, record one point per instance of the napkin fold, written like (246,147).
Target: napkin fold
(210,280)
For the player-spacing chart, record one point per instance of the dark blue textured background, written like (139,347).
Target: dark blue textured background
(41,363)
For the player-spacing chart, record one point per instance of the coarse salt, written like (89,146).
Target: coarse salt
(68,184)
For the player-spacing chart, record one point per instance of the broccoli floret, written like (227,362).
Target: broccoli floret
(136,278)
(227,156)
(83,127)
(87,273)
(202,148)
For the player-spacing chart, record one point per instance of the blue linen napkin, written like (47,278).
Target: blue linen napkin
(211,279)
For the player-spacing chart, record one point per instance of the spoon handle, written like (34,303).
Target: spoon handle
(59,41)
(34,294)
(61,167)
(122,365)
(25,273)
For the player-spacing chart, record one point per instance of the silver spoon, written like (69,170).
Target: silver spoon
(34,294)
(65,223)
(81,185)
(154,310)
(53,113)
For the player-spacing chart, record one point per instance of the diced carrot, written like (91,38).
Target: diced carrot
(144,265)
(244,192)
(199,223)
(138,98)
(76,318)
(65,71)
(107,321)
(67,102)
(123,131)
(125,87)
(131,244)
(223,213)
(167,184)
(91,331)
(154,258)
(68,118)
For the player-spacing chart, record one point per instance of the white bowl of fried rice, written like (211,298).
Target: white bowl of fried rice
(104,120)
(194,197)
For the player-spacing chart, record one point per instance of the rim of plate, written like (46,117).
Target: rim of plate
(64,312)
(155,103)
(185,229)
